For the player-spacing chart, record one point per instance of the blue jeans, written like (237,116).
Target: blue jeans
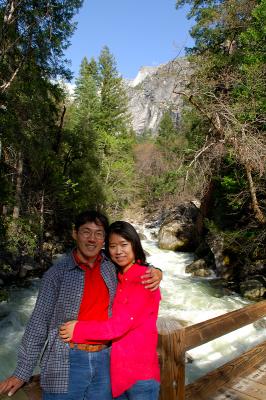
(89,377)
(142,390)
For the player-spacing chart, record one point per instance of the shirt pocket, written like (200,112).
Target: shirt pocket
(50,347)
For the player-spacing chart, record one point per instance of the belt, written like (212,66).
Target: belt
(88,347)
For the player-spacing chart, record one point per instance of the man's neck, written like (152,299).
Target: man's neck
(91,261)
(86,261)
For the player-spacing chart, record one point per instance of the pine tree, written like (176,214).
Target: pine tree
(28,33)
(115,138)
(81,151)
(167,131)
(98,152)
(32,42)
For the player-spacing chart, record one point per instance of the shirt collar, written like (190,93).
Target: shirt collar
(130,273)
(82,264)
(74,263)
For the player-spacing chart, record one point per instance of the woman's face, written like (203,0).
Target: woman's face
(121,251)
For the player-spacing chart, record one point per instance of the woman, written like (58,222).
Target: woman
(134,363)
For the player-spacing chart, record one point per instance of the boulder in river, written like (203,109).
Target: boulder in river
(199,268)
(253,288)
(24,269)
(172,237)
(257,267)
(178,231)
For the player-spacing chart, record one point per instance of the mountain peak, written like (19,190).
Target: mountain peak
(142,74)
(152,93)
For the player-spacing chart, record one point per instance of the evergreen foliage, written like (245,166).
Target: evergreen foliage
(62,153)
(225,126)
(167,131)
(99,116)
(115,136)
(226,90)
(81,166)
(58,154)
(32,34)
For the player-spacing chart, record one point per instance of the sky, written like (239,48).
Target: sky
(137,32)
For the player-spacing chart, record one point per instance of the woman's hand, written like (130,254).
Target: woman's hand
(152,278)
(66,331)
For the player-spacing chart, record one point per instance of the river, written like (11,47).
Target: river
(188,299)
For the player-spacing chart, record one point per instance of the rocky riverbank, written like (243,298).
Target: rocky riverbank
(237,257)
(18,269)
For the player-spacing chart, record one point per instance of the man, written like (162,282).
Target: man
(81,285)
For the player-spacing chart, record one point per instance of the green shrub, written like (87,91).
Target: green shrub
(21,236)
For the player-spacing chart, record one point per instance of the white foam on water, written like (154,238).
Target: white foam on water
(185,298)
(14,315)
(193,300)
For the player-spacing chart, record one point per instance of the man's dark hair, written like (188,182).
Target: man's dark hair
(128,232)
(91,216)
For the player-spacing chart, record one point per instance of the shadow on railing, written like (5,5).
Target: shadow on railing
(174,341)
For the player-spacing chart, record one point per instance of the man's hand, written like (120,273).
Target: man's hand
(10,385)
(66,331)
(152,278)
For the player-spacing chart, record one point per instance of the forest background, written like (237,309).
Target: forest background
(61,153)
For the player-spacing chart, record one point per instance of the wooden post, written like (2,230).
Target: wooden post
(172,359)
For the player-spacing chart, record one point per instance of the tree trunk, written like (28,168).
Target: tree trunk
(16,210)
(205,206)
(58,138)
(42,207)
(260,217)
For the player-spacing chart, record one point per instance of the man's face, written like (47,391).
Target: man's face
(89,240)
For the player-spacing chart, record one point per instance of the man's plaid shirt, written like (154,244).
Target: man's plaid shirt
(58,301)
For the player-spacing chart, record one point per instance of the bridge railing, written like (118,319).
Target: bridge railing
(175,340)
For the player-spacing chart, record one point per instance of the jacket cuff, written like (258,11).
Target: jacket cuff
(22,373)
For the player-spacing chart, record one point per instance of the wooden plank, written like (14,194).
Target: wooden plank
(219,377)
(258,376)
(251,388)
(166,326)
(19,395)
(262,367)
(33,388)
(205,331)
(225,394)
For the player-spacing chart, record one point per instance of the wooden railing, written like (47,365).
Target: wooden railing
(175,340)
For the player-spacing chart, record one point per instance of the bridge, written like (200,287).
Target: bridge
(243,378)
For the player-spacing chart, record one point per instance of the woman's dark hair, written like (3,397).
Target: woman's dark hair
(128,232)
(91,216)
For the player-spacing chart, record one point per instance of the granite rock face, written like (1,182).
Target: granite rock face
(151,93)
(178,232)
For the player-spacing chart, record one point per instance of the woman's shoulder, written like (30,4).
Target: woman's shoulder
(140,269)
(136,272)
